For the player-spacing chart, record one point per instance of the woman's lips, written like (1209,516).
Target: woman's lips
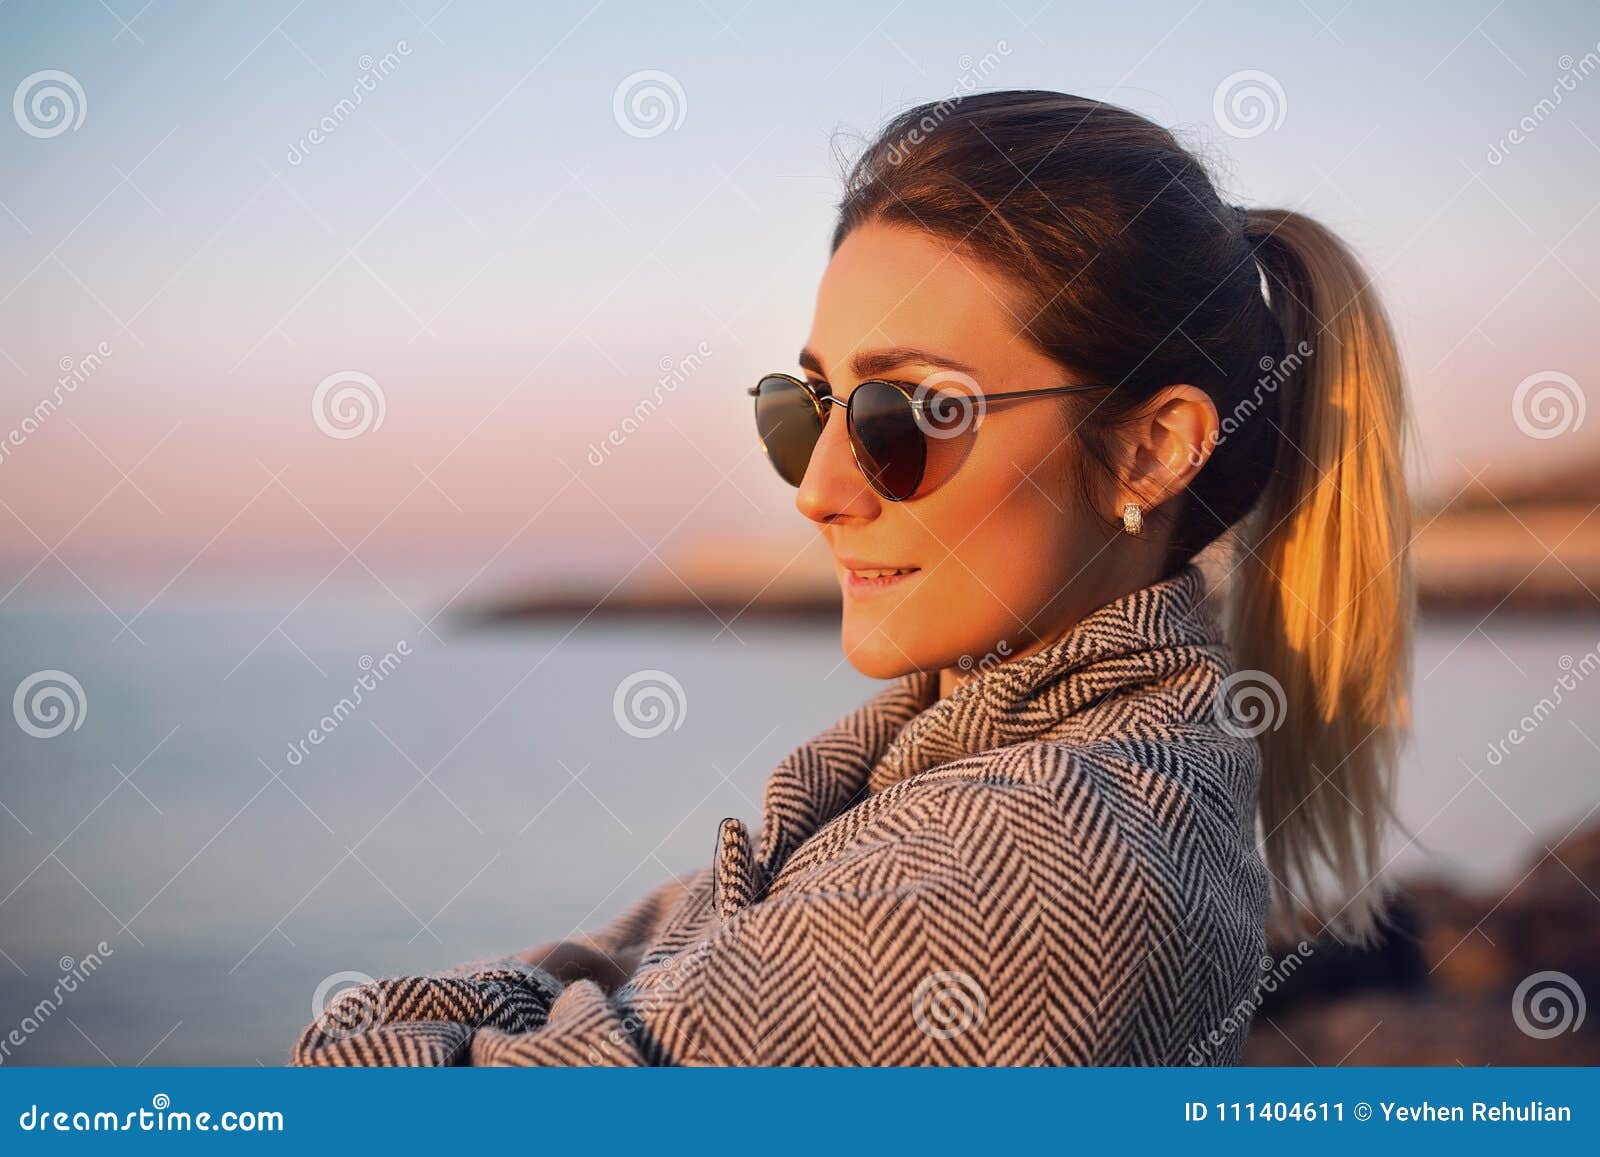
(860,578)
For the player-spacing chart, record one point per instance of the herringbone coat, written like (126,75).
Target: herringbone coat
(1054,864)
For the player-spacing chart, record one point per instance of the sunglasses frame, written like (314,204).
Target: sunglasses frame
(917,405)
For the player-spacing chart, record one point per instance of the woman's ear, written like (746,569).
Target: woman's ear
(1166,445)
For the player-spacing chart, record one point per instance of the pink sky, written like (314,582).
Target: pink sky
(512,268)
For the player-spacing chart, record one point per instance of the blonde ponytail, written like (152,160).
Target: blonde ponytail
(1322,599)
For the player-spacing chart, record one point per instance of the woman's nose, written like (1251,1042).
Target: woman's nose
(834,486)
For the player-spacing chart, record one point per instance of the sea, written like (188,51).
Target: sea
(229,811)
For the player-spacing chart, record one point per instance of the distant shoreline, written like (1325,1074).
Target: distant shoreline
(1460,599)
(1528,549)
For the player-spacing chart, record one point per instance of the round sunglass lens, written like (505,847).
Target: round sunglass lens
(789,426)
(888,442)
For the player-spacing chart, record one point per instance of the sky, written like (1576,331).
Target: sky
(349,290)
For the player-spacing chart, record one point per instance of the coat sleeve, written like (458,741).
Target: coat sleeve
(865,959)
(829,974)
(427,1020)
(967,922)
(432,1020)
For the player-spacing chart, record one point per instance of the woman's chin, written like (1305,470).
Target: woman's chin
(876,657)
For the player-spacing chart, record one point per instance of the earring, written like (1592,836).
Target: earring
(1132,518)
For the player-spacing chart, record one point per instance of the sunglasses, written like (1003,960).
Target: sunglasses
(890,425)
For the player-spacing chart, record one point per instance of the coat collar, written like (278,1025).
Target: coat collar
(1140,638)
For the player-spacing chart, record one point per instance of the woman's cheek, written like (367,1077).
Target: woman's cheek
(993,552)
(1019,564)
(956,612)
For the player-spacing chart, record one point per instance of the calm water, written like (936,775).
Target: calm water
(483,797)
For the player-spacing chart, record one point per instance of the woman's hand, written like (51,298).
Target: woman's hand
(568,960)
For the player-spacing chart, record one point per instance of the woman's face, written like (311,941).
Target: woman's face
(998,556)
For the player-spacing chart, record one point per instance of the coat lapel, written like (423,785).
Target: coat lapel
(907,728)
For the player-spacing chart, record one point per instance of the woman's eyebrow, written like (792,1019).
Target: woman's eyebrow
(874,363)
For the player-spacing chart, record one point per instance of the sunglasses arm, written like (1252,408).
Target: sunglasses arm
(1038,393)
(919,403)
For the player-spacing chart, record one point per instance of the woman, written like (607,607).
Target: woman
(1048,366)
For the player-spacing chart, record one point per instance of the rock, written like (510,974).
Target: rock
(1459,979)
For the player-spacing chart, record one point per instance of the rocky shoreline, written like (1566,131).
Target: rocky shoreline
(1469,979)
